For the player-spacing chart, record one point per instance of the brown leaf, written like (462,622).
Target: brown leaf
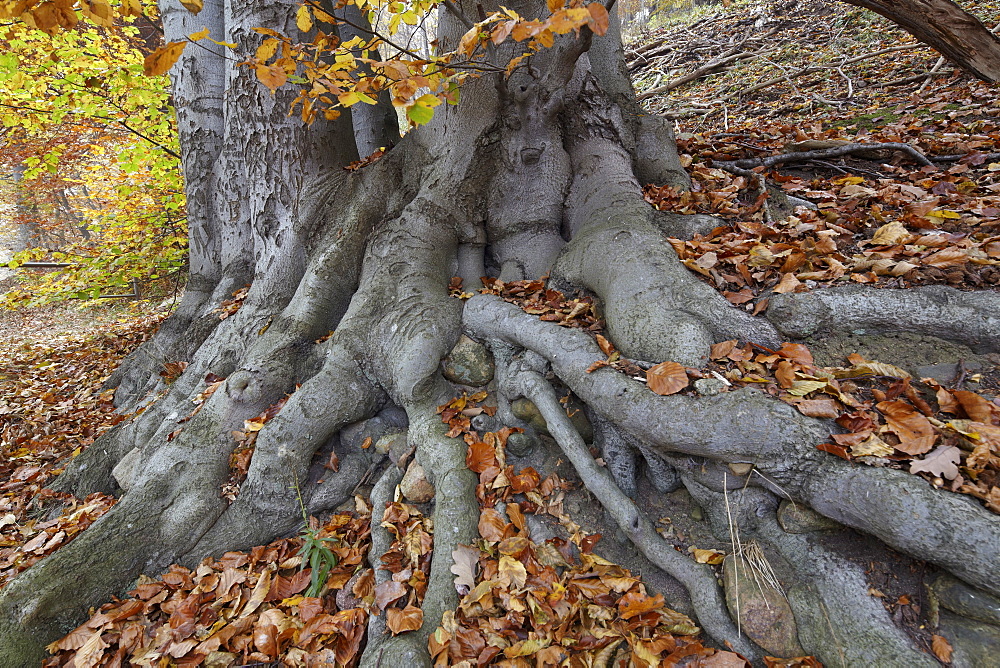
(400,620)
(466,559)
(820,408)
(265,639)
(943,461)
(606,346)
(667,378)
(978,408)
(941,648)
(491,525)
(388,592)
(915,432)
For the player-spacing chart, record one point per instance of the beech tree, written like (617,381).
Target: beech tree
(348,312)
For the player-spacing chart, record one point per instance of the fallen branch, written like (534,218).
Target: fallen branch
(811,69)
(706,69)
(820,154)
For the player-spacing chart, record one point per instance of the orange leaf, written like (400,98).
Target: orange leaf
(976,407)
(480,457)
(399,620)
(636,603)
(491,525)
(916,434)
(941,647)
(667,378)
(797,353)
(162,59)
(598,18)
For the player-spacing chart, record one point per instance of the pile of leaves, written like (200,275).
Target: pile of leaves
(557,601)
(26,541)
(535,298)
(51,408)
(924,226)
(242,608)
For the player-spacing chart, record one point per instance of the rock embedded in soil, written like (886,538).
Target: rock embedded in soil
(762,610)
(523,409)
(415,486)
(797,518)
(469,363)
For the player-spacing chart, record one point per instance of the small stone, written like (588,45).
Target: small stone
(797,518)
(384,445)
(764,613)
(469,363)
(697,513)
(709,387)
(740,468)
(415,486)
(125,470)
(524,409)
(520,444)
(345,596)
(945,373)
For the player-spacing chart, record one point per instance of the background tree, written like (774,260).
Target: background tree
(534,174)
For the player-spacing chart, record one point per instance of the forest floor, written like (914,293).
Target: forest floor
(878,218)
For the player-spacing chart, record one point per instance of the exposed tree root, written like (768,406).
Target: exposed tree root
(699,579)
(836,616)
(972,318)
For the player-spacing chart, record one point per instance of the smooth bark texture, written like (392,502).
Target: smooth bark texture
(948,29)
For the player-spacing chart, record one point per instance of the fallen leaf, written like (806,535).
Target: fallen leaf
(941,647)
(943,461)
(667,378)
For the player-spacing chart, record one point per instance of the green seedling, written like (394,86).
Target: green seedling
(314,551)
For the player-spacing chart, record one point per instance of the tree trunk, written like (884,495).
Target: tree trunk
(539,174)
(948,29)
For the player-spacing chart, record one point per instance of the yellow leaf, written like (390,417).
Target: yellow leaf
(800,388)
(349,98)
(942,213)
(891,234)
(707,556)
(303,19)
(267,49)
(201,34)
(193,6)
(554,5)
(162,59)
(131,8)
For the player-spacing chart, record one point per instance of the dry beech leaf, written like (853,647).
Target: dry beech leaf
(819,408)
(491,525)
(941,647)
(891,234)
(788,283)
(943,461)
(667,378)
(978,408)
(388,592)
(400,620)
(915,432)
